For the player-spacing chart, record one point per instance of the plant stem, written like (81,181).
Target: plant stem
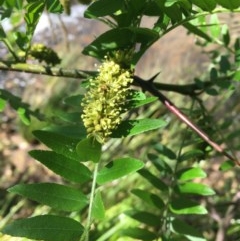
(45,70)
(150,87)
(85,236)
(187,89)
(10,48)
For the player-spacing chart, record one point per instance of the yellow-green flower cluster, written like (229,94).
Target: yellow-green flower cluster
(43,53)
(104,100)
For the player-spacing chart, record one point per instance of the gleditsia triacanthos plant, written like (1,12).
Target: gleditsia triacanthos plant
(103,106)
(104,101)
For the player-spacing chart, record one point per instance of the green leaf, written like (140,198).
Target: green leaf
(118,168)
(186,4)
(74,100)
(185,206)
(16,18)
(103,8)
(7,10)
(17,104)
(54,195)
(13,3)
(77,131)
(215,27)
(160,164)
(212,91)
(72,117)
(237,57)
(149,198)
(2,104)
(229,4)
(190,173)
(191,155)
(152,9)
(138,99)
(165,151)
(19,4)
(195,188)
(109,41)
(236,76)
(134,127)
(24,116)
(136,95)
(119,38)
(155,181)
(89,149)
(234,229)
(63,166)
(33,12)
(98,211)
(227,165)
(64,145)
(185,229)
(225,64)
(46,227)
(225,35)
(169,3)
(174,12)
(144,37)
(54,6)
(213,75)
(21,40)
(206,5)
(138,234)
(2,33)
(144,217)
(136,7)
(197,31)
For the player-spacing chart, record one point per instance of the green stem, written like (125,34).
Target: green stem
(85,236)
(45,70)
(10,48)
(197,15)
(187,89)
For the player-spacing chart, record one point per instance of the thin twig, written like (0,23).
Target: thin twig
(146,85)
(150,87)
(225,221)
(45,70)
(187,89)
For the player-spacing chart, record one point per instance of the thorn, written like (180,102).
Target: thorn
(154,77)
